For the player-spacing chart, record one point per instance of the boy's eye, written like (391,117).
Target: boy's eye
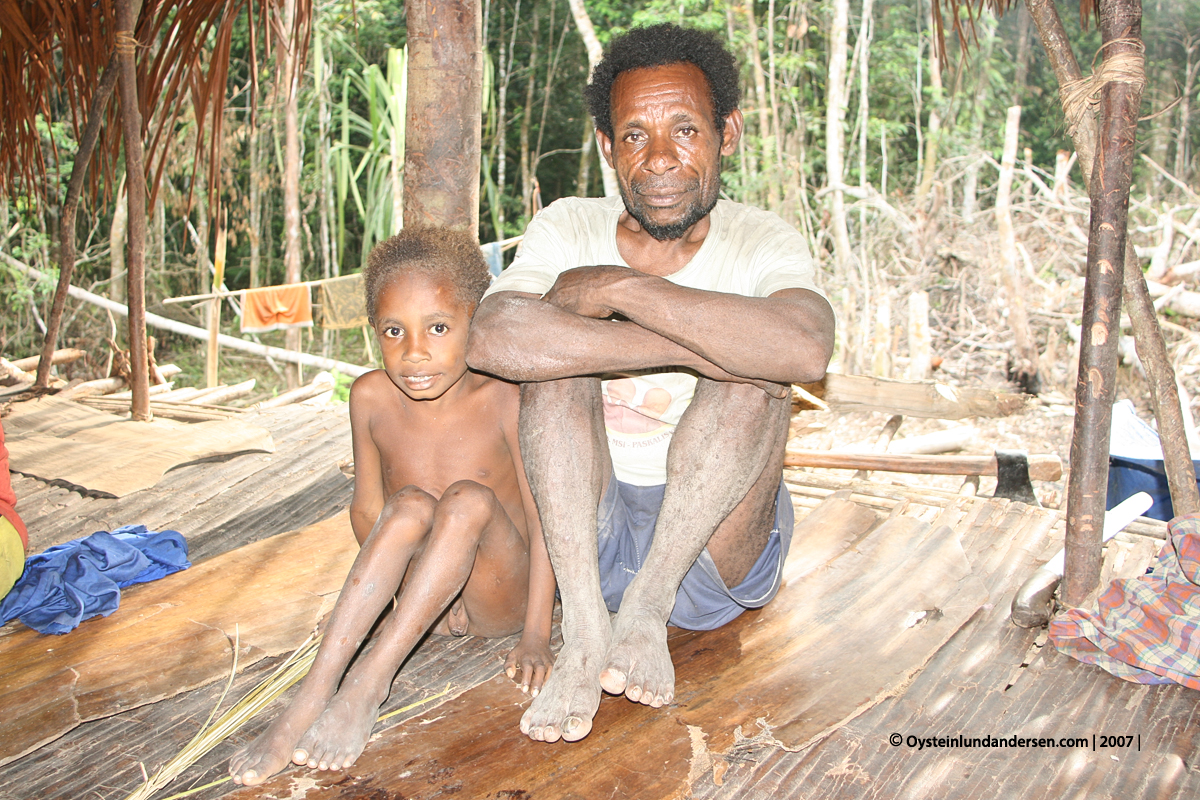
(439,328)
(392,332)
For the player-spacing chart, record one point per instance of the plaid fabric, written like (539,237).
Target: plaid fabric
(1146,629)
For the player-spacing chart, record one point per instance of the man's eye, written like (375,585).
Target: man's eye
(439,328)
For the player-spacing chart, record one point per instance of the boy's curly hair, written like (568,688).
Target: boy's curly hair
(442,252)
(657,46)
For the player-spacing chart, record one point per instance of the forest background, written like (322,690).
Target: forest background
(886,156)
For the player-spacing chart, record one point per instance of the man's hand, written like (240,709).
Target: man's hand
(581,290)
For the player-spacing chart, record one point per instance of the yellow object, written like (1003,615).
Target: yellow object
(12,556)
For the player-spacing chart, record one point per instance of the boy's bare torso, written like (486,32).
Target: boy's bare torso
(467,434)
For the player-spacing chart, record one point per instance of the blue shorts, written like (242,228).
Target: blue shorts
(625,528)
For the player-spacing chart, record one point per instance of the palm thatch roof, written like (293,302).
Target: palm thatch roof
(54,52)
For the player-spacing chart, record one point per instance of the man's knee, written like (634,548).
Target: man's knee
(741,405)
(561,394)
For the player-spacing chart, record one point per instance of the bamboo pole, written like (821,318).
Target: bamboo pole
(214,313)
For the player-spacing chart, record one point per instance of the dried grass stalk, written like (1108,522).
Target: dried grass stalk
(211,734)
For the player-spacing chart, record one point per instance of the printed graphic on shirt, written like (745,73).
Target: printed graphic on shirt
(640,415)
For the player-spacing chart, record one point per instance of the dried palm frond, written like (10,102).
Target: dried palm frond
(62,47)
(1087,9)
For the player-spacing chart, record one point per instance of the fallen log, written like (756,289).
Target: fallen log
(927,399)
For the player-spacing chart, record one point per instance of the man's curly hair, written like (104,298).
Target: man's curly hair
(657,46)
(451,255)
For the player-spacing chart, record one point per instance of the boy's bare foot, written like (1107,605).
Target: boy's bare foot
(274,747)
(638,663)
(337,738)
(568,701)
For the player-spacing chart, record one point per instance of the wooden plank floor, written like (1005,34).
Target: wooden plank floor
(218,504)
(987,679)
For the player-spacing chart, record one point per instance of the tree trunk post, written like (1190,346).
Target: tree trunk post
(1146,332)
(135,182)
(441,158)
(1120,97)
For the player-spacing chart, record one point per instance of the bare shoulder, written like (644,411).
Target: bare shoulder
(369,391)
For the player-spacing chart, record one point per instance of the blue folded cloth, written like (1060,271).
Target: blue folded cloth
(81,579)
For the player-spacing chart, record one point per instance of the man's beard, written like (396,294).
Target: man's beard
(697,209)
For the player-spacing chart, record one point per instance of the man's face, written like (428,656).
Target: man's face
(665,148)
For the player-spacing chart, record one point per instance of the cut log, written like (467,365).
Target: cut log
(913,398)
(221,394)
(323,382)
(64,356)
(11,374)
(160,389)
(949,440)
(179,395)
(1041,468)
(93,388)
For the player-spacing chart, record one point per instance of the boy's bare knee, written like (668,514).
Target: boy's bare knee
(468,502)
(412,502)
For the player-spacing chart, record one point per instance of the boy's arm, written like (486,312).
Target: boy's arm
(368,499)
(531,658)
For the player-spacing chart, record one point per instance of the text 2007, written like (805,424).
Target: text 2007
(1120,741)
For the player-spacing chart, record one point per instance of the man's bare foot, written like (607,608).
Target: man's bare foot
(638,663)
(568,701)
(273,749)
(337,738)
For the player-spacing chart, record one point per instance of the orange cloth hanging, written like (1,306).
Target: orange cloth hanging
(273,308)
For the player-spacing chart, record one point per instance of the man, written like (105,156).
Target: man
(697,314)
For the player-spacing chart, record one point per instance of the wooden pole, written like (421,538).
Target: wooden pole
(214,312)
(1151,348)
(135,182)
(1120,26)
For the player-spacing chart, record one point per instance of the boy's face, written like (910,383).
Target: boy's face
(422,328)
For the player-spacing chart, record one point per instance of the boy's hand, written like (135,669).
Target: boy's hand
(529,664)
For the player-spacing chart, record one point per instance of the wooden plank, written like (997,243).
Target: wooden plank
(984,682)
(61,440)
(171,635)
(913,398)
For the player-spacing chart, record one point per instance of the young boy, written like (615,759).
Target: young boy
(441,508)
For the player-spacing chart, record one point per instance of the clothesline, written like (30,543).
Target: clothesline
(504,245)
